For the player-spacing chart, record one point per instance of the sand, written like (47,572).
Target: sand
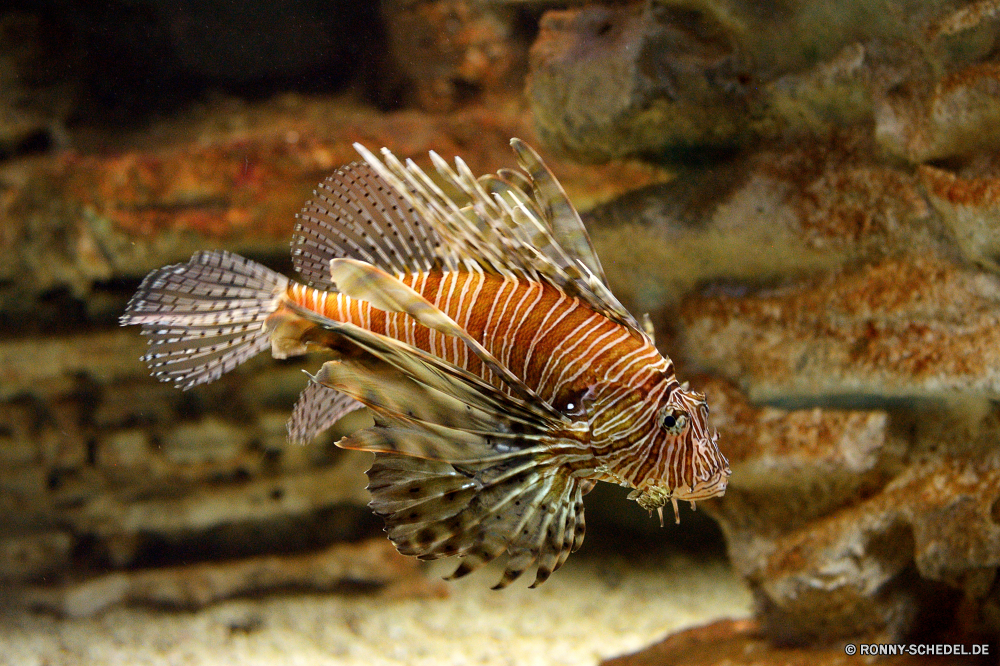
(595,607)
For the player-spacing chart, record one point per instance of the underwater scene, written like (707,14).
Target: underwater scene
(633,333)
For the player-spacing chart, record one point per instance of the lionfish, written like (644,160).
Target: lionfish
(504,377)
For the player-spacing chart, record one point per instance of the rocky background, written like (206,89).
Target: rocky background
(804,194)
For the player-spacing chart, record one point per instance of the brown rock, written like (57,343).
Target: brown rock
(206,507)
(613,80)
(35,95)
(30,556)
(971,207)
(230,178)
(895,329)
(953,116)
(761,218)
(47,367)
(847,526)
(372,564)
(453,50)
(816,460)
(742,643)
(818,569)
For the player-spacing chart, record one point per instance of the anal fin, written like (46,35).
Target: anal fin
(318,408)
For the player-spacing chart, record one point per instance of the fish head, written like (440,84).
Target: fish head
(677,457)
(687,464)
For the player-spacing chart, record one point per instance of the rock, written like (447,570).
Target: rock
(372,564)
(813,577)
(859,525)
(971,207)
(763,218)
(850,527)
(816,460)
(613,80)
(744,643)
(885,565)
(53,366)
(897,329)
(208,441)
(36,97)
(828,97)
(232,178)
(955,117)
(453,51)
(206,507)
(33,555)
(657,78)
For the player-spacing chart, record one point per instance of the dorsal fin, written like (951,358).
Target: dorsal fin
(550,197)
(355,214)
(506,230)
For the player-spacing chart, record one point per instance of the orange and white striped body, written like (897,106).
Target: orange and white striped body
(554,343)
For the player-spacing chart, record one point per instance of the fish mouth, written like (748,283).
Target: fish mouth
(656,497)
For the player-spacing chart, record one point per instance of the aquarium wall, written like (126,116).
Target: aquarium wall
(803,195)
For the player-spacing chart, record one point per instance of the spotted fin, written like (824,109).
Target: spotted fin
(462,468)
(318,408)
(355,214)
(477,511)
(470,479)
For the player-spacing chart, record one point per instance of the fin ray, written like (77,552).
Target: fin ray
(535,235)
(356,214)
(205,317)
(318,408)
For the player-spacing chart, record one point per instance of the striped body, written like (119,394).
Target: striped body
(556,344)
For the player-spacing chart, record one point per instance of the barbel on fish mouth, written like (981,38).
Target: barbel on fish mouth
(504,377)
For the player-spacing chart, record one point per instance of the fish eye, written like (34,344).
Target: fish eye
(674,421)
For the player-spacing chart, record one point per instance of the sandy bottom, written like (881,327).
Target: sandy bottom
(595,607)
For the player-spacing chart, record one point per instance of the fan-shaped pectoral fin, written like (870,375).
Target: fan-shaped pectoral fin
(478,511)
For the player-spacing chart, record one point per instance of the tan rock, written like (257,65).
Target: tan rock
(762,218)
(971,207)
(743,643)
(815,460)
(609,80)
(894,329)
(202,508)
(29,556)
(372,564)
(51,366)
(453,51)
(954,116)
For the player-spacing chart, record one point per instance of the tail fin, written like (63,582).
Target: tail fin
(205,317)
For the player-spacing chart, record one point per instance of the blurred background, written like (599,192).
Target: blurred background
(804,195)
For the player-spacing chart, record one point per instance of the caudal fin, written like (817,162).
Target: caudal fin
(205,317)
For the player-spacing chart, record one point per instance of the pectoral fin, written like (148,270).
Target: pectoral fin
(478,511)
(461,468)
